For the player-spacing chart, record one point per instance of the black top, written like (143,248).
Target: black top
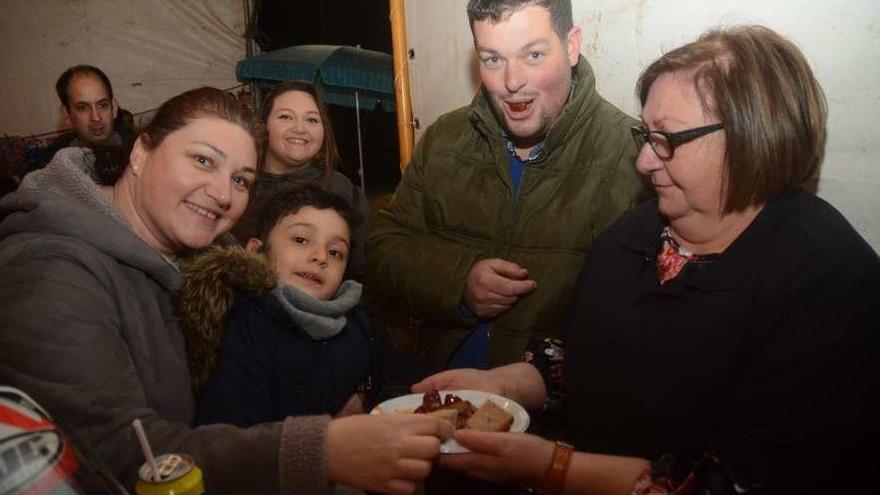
(766,356)
(270,368)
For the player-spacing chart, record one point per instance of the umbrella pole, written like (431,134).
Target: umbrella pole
(401,82)
(357,113)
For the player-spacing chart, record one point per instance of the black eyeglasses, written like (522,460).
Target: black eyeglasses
(664,143)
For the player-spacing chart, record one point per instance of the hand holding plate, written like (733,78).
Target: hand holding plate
(460,379)
(520,382)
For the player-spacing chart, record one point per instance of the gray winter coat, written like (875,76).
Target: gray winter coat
(87,329)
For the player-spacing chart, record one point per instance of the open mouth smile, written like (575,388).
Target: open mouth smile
(310,277)
(519,106)
(210,215)
(518,109)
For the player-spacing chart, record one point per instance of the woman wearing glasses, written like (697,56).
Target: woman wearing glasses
(723,334)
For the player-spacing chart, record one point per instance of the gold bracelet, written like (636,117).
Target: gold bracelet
(554,479)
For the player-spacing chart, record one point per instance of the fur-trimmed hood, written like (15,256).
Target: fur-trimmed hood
(211,279)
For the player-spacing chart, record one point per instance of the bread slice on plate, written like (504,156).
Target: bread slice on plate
(490,417)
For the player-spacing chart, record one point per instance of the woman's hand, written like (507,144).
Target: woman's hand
(385,453)
(509,458)
(461,379)
(521,382)
(518,458)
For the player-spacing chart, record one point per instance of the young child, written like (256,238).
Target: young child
(293,339)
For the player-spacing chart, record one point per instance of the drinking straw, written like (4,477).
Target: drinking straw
(145,446)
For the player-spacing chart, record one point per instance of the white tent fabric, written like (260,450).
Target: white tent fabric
(150,49)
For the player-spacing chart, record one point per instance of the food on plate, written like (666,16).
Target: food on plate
(490,417)
(462,413)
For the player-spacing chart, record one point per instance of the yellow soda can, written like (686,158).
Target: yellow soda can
(178,475)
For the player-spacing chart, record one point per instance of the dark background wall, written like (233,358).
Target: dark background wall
(332,22)
(366,23)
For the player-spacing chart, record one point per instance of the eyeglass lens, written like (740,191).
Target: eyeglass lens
(661,145)
(658,142)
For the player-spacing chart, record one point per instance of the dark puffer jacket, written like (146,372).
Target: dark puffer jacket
(252,362)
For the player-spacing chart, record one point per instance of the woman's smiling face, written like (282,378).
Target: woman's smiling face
(193,186)
(296,132)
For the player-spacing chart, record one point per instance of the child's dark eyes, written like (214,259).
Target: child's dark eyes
(337,254)
(300,240)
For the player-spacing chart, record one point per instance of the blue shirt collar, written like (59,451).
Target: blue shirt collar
(534,154)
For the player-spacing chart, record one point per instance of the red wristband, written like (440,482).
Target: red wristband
(554,480)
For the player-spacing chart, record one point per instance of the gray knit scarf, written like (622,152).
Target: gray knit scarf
(321,320)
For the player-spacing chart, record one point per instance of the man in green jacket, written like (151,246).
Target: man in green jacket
(503,198)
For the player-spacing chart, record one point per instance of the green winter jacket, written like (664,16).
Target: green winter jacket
(455,205)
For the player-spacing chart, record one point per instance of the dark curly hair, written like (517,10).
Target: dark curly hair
(289,198)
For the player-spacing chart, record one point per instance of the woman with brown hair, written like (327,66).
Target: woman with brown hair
(301,146)
(88,258)
(722,335)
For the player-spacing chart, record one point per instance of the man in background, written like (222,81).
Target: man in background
(88,106)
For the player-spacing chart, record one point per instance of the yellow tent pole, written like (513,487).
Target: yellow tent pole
(405,132)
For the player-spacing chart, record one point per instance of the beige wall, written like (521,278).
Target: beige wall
(841,38)
(150,49)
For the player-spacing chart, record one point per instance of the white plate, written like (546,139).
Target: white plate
(408,403)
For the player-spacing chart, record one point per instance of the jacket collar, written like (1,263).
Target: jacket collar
(114,140)
(723,271)
(211,280)
(575,113)
(310,172)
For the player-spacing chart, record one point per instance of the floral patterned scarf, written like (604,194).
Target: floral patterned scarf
(672,257)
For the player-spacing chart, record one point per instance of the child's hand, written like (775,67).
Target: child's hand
(354,405)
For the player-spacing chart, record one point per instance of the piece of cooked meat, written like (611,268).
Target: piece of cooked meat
(464,408)
(490,417)
(430,402)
